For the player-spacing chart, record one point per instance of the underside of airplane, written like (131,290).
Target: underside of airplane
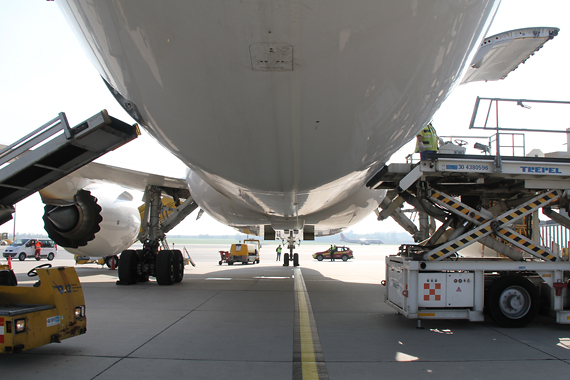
(281,111)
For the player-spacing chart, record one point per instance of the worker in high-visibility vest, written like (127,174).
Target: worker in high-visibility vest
(426,141)
(38,247)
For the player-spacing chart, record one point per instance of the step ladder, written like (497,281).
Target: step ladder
(53,151)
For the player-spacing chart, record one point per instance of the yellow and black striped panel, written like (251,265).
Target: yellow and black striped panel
(450,248)
(516,238)
(525,209)
(456,205)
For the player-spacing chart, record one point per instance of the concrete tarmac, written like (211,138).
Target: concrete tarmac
(240,322)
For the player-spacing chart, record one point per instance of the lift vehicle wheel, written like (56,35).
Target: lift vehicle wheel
(22,256)
(319,257)
(128,267)
(165,268)
(513,301)
(50,256)
(33,273)
(344,257)
(178,265)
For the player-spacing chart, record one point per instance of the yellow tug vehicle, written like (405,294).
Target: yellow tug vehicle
(51,310)
(245,253)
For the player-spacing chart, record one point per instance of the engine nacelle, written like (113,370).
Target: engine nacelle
(103,220)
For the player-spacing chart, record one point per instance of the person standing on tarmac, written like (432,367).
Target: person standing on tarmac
(38,247)
(426,141)
(278,250)
(332,249)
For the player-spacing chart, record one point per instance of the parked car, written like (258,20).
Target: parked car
(23,248)
(343,253)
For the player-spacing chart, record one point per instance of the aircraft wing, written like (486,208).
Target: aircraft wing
(128,178)
(502,53)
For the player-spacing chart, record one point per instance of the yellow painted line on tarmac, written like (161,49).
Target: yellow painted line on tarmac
(308,362)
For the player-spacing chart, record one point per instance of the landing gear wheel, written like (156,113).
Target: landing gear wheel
(295,259)
(50,256)
(178,265)
(320,257)
(32,272)
(513,301)
(286,260)
(22,256)
(112,262)
(128,268)
(344,257)
(165,268)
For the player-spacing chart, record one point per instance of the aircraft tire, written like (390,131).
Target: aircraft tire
(128,267)
(178,265)
(109,261)
(286,260)
(165,268)
(513,301)
(296,259)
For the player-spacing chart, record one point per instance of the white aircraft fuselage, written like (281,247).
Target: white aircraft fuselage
(282,110)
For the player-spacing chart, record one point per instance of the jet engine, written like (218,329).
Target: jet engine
(103,220)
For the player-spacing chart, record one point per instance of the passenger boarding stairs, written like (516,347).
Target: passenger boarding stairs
(53,151)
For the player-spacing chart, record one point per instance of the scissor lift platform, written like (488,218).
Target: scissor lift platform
(54,150)
(478,199)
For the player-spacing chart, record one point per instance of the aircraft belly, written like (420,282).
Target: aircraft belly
(241,212)
(296,130)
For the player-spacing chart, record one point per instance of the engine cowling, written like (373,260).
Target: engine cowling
(103,220)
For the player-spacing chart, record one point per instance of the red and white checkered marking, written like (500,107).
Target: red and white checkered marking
(432,289)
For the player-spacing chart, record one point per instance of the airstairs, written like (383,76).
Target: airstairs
(53,151)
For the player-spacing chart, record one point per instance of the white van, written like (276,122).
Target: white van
(22,248)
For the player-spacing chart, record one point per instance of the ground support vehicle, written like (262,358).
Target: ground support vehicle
(486,202)
(340,253)
(112,262)
(245,253)
(22,249)
(50,311)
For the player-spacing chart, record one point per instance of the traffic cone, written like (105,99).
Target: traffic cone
(10,261)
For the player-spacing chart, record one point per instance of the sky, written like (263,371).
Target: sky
(43,72)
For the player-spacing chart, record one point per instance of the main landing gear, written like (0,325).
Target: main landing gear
(166,265)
